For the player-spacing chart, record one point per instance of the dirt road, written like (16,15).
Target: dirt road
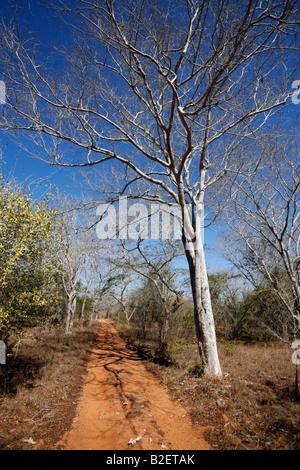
(124,406)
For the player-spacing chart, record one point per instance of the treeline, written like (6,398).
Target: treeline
(241,312)
(47,264)
(55,272)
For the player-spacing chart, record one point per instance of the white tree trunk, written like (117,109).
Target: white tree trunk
(207,322)
(203,315)
(71,309)
(164,325)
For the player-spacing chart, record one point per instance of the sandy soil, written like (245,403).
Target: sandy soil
(124,406)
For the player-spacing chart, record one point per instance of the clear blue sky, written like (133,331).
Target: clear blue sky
(19,165)
(15,161)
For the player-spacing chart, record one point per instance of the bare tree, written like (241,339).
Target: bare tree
(123,281)
(88,273)
(73,261)
(154,261)
(102,283)
(166,89)
(79,254)
(264,225)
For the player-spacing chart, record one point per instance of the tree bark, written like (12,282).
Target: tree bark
(164,326)
(71,308)
(203,314)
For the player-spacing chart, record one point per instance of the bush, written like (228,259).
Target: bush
(28,287)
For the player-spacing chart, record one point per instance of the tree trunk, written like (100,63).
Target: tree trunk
(203,315)
(164,326)
(71,308)
(84,300)
(82,312)
(92,314)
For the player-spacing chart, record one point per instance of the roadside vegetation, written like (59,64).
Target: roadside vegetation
(254,406)
(172,117)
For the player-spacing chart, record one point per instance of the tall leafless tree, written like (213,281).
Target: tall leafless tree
(166,89)
(73,260)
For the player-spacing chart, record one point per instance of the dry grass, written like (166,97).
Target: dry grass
(252,407)
(39,388)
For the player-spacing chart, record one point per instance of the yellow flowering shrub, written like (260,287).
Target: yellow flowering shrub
(27,267)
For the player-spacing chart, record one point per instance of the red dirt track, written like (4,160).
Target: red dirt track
(122,401)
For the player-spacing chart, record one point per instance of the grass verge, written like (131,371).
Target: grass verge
(39,387)
(252,408)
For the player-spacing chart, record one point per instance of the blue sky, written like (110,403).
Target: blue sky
(23,168)
(15,161)
(19,165)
